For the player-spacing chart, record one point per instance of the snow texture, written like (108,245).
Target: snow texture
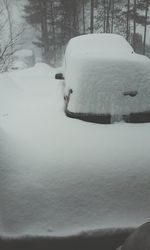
(60,176)
(101,69)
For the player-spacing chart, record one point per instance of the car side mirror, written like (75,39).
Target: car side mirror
(59,76)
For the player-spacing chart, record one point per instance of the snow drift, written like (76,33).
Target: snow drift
(60,176)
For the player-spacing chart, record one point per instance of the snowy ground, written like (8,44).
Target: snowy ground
(60,176)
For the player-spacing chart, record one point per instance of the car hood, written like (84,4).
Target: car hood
(115,86)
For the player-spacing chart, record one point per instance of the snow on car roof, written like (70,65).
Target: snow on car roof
(24,53)
(18,64)
(99,43)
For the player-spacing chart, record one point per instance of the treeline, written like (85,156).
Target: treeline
(56,21)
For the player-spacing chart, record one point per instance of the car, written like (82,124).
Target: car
(105,80)
(23,59)
(17,65)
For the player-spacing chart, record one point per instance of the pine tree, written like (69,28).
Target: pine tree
(68,20)
(36,15)
(109,14)
(139,15)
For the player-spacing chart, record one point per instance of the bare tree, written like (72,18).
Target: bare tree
(8,36)
(10,21)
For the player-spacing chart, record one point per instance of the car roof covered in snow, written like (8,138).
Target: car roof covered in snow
(98,43)
(23,53)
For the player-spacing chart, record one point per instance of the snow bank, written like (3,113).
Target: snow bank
(61,176)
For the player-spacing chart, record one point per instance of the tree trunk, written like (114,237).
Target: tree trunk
(53,31)
(134,25)
(83,15)
(75,19)
(112,17)
(92,17)
(44,29)
(128,21)
(145,26)
(104,25)
(107,19)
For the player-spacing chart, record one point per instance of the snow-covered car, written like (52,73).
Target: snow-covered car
(23,59)
(16,65)
(105,80)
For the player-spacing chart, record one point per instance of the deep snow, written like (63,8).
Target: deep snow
(60,176)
